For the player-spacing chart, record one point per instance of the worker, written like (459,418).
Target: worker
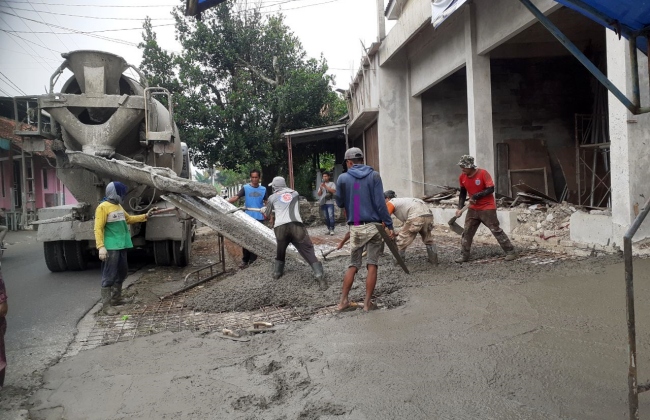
(326,193)
(478,184)
(417,218)
(254,195)
(289,229)
(360,191)
(113,238)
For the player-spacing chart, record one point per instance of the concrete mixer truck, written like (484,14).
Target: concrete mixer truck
(108,127)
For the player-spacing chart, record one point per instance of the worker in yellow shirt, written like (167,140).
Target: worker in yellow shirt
(113,238)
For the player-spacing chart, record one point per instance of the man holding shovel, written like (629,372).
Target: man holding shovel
(478,184)
(417,218)
(289,229)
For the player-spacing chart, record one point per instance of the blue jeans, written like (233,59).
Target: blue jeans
(328,214)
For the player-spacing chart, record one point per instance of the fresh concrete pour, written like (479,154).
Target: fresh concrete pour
(480,340)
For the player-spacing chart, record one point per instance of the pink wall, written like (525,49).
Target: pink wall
(45,197)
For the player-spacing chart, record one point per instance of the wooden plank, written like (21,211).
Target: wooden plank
(503,179)
(527,154)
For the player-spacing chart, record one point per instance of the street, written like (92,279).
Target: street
(44,309)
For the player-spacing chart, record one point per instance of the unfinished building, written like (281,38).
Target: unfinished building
(488,79)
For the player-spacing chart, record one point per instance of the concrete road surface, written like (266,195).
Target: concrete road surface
(44,309)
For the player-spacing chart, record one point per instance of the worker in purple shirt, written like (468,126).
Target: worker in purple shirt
(361,193)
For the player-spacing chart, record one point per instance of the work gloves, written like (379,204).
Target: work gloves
(103,253)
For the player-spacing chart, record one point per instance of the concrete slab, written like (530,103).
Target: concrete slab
(591,228)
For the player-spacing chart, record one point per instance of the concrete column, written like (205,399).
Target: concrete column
(629,135)
(381,21)
(479,97)
(393,125)
(416,146)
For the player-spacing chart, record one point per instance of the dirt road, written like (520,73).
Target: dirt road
(539,338)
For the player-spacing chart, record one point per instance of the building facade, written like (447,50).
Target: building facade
(492,82)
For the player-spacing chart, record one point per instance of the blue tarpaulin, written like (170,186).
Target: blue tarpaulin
(626,17)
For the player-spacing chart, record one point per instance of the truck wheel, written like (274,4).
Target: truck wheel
(75,255)
(54,256)
(162,252)
(182,257)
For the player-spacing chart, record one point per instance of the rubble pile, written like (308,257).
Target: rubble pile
(544,221)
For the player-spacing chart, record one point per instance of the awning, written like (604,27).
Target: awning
(442,9)
(626,17)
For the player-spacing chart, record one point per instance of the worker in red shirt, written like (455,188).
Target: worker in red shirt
(478,184)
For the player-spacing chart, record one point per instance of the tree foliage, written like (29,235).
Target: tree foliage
(240,81)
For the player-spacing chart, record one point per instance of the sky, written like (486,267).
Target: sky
(34,33)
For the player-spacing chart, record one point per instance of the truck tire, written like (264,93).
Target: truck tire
(182,256)
(54,256)
(162,252)
(75,255)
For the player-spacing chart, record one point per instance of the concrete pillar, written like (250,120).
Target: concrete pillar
(381,21)
(630,137)
(479,97)
(393,126)
(416,146)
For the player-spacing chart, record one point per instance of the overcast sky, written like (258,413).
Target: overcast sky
(31,50)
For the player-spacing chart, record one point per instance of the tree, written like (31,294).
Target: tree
(240,81)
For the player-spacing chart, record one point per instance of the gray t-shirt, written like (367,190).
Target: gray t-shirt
(286,204)
(326,197)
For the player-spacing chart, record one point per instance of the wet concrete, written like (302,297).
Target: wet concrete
(485,340)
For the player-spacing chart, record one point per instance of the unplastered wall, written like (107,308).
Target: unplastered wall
(445,132)
(537,98)
(393,124)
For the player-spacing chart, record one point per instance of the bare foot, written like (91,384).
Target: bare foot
(370,307)
(344,306)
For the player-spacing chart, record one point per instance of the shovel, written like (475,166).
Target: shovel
(325,254)
(243,209)
(452,222)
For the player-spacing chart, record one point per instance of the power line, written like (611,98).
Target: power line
(93,5)
(29,46)
(32,42)
(82,16)
(139,28)
(12,83)
(28,27)
(57,37)
(5,93)
(105,38)
(24,53)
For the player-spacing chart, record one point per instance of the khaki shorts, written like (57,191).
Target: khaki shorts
(364,235)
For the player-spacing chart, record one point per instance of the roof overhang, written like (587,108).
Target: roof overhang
(394,9)
(316,134)
(361,121)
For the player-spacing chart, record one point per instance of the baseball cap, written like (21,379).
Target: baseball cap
(278,182)
(353,153)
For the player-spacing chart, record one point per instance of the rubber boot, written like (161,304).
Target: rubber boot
(463,258)
(116,296)
(107,309)
(320,275)
(402,254)
(512,255)
(278,270)
(432,254)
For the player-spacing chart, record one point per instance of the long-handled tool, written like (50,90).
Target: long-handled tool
(244,209)
(325,254)
(392,246)
(452,222)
